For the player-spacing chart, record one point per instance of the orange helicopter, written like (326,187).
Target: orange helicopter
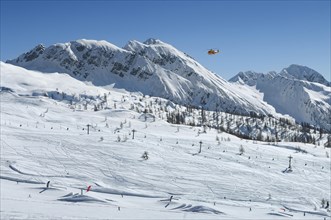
(213,51)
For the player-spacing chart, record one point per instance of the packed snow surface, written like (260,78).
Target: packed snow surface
(44,139)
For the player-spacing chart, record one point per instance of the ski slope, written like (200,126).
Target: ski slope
(44,139)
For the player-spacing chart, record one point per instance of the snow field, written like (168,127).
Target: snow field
(32,151)
(43,140)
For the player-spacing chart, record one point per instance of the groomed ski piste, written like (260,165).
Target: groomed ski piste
(44,139)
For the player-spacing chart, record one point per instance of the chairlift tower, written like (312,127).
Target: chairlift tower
(290,161)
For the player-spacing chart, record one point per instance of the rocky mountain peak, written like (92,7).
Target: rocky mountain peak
(34,53)
(153,41)
(301,72)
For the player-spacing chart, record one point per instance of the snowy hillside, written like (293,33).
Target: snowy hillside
(297,91)
(186,173)
(153,68)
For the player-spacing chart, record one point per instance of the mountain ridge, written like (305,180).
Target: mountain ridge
(159,69)
(293,72)
(297,95)
(155,68)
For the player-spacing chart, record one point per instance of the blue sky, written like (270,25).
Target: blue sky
(252,35)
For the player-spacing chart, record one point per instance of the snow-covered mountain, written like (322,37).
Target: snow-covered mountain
(159,69)
(304,73)
(153,68)
(297,91)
